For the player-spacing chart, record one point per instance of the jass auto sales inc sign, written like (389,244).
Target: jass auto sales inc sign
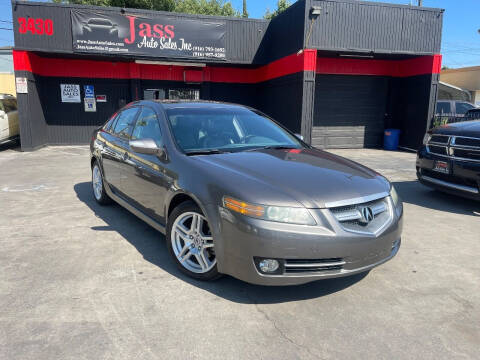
(159,36)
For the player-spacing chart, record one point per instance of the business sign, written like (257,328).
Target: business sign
(70,93)
(21,85)
(89,92)
(90,104)
(156,36)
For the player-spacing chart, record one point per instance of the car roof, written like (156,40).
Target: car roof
(190,104)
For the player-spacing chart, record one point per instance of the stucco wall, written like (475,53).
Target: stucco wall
(7,83)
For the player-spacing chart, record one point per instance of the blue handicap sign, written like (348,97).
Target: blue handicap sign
(89,92)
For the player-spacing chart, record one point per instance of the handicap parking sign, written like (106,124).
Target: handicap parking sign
(89,92)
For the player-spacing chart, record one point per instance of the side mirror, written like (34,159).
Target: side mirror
(146,146)
(299,136)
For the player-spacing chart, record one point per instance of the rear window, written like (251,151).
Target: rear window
(99,22)
(463,107)
(443,107)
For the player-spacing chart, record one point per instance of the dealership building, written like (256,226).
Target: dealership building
(339,72)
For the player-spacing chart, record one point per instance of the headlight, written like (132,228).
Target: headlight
(426,138)
(272,213)
(395,197)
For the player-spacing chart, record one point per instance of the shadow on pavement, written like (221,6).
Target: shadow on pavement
(413,192)
(151,244)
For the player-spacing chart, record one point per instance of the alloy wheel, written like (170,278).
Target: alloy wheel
(192,242)
(97,183)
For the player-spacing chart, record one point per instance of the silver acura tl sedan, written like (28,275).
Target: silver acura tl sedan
(236,193)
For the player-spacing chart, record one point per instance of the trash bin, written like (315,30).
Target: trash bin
(391,138)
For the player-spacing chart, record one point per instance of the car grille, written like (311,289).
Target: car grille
(352,217)
(295,266)
(472,142)
(467,154)
(439,139)
(455,147)
(439,150)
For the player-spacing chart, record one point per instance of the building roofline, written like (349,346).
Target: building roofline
(385,4)
(452,86)
(135,11)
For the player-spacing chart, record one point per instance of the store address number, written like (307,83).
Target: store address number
(35,26)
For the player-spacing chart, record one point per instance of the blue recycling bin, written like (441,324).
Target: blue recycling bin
(391,138)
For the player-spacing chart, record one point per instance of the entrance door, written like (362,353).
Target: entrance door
(184,94)
(171,94)
(154,94)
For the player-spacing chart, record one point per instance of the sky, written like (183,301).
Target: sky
(460,40)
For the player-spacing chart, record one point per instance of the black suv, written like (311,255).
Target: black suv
(449,159)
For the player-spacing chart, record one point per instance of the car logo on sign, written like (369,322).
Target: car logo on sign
(367,214)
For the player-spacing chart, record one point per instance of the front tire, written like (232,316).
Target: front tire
(190,242)
(98,187)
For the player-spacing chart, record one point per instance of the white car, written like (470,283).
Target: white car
(9,127)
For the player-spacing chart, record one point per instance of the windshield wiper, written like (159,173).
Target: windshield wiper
(273,147)
(205,152)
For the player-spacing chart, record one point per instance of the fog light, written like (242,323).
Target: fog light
(268,265)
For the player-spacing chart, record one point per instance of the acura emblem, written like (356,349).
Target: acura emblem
(367,214)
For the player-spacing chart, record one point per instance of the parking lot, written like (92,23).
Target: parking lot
(80,281)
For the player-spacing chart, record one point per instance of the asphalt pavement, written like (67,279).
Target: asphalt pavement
(81,281)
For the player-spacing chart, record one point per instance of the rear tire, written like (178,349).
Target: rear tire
(190,242)
(98,187)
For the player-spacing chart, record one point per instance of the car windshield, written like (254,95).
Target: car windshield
(98,21)
(198,130)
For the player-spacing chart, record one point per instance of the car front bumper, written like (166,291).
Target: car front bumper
(337,252)
(463,178)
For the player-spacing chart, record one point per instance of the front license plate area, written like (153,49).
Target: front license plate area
(441,166)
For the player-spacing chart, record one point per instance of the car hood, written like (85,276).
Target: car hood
(464,128)
(311,177)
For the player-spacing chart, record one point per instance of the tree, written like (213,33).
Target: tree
(245,12)
(205,7)
(282,5)
(161,5)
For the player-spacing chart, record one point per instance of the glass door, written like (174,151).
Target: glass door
(184,94)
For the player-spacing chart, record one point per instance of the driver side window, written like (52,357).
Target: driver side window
(147,126)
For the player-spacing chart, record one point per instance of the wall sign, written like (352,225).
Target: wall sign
(161,35)
(89,91)
(70,93)
(21,85)
(101,98)
(90,105)
(36,26)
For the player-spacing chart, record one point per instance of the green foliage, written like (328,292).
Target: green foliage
(245,12)
(440,120)
(282,5)
(205,7)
